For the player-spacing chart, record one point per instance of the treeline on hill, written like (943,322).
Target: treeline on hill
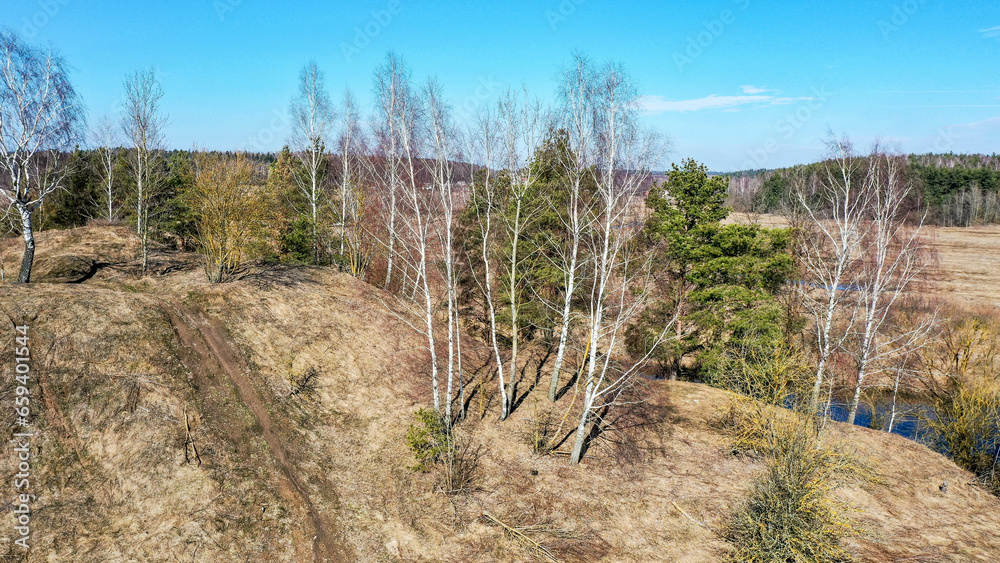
(84,197)
(280,208)
(955,190)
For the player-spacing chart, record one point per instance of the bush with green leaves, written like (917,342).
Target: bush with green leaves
(297,241)
(428,439)
(435,445)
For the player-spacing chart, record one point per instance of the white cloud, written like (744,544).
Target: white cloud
(991,31)
(659,104)
(988,123)
(754,89)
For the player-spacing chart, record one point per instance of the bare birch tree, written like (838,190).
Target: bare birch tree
(393,95)
(351,147)
(623,156)
(419,207)
(413,206)
(107,143)
(444,144)
(40,116)
(483,141)
(576,118)
(521,125)
(142,124)
(891,258)
(829,250)
(312,119)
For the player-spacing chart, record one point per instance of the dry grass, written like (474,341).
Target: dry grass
(110,477)
(963,267)
(113,485)
(967,271)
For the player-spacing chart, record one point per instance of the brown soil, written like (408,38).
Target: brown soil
(196,330)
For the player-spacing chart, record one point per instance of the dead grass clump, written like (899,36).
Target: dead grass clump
(542,539)
(460,466)
(791,514)
(540,430)
(304,385)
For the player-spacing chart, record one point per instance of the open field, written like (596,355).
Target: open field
(965,262)
(967,268)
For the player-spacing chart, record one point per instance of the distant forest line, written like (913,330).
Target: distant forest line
(955,190)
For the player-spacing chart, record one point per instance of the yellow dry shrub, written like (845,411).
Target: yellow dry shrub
(229,205)
(791,514)
(964,365)
(966,425)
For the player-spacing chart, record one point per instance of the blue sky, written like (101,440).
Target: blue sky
(733,83)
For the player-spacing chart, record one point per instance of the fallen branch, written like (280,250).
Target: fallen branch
(516,533)
(189,440)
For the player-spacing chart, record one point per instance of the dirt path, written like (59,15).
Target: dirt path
(211,344)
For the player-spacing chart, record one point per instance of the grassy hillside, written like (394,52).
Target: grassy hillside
(297,387)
